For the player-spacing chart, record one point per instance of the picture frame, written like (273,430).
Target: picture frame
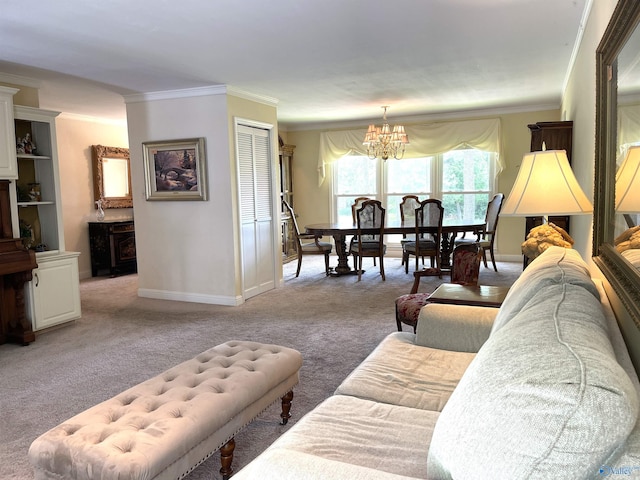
(175,169)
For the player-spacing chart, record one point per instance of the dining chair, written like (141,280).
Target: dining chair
(357,203)
(408,207)
(429,214)
(487,235)
(316,247)
(369,216)
(464,271)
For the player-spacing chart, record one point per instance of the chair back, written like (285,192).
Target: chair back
(408,207)
(429,214)
(357,203)
(292,215)
(371,215)
(466,264)
(493,213)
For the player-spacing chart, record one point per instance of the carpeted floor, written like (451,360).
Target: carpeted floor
(122,340)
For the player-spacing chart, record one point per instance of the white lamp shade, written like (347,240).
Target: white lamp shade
(628,183)
(546,185)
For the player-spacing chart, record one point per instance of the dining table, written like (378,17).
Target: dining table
(340,230)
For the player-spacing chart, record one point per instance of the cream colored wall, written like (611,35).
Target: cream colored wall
(579,105)
(313,202)
(75,137)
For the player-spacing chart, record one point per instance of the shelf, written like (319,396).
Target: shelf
(27,156)
(34,204)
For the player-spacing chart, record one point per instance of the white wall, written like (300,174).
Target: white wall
(189,250)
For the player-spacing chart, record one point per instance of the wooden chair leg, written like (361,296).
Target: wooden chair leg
(493,260)
(299,264)
(382,267)
(398,322)
(326,264)
(286,407)
(226,458)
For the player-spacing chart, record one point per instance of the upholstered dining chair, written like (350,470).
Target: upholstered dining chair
(316,247)
(464,271)
(408,207)
(487,235)
(369,216)
(357,203)
(428,214)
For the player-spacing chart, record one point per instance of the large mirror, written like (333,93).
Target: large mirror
(111,176)
(616,89)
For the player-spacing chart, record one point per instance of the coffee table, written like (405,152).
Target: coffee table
(477,295)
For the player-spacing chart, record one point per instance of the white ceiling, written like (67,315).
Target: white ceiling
(322,60)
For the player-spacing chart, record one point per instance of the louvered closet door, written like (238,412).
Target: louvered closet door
(256,210)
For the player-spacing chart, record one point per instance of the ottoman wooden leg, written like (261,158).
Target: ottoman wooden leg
(226,457)
(286,407)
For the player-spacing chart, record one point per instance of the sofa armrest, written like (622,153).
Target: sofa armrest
(459,328)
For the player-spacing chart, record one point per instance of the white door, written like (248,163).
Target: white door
(256,210)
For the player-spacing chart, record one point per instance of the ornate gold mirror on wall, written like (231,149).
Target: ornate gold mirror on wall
(611,55)
(111,176)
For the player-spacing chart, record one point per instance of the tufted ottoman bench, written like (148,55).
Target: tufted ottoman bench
(166,426)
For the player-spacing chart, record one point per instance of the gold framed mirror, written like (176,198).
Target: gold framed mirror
(112,176)
(623,276)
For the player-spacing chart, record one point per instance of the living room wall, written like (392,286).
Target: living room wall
(313,201)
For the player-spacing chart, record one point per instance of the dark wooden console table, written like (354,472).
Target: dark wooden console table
(113,247)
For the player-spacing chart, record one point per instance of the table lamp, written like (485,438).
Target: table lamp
(628,182)
(545,186)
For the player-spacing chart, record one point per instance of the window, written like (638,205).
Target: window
(463,179)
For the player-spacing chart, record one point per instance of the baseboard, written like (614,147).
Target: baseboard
(190,297)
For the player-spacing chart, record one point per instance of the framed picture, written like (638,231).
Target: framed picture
(175,169)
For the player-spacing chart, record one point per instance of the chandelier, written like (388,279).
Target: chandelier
(385,143)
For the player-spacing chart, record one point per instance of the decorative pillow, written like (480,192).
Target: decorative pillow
(544,397)
(556,265)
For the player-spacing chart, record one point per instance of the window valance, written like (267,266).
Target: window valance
(426,140)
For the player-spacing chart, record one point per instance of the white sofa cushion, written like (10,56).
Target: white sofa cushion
(544,397)
(400,372)
(349,432)
(556,265)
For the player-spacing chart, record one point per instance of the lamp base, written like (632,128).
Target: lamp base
(542,237)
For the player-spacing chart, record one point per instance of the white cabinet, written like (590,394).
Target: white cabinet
(53,296)
(8,167)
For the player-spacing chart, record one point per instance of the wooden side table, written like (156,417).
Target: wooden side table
(477,295)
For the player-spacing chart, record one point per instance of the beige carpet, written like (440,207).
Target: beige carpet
(122,340)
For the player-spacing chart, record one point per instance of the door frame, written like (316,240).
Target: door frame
(275,201)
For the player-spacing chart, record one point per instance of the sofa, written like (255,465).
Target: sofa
(542,387)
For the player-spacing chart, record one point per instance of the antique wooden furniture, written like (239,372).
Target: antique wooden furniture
(316,247)
(286,194)
(111,176)
(340,230)
(477,295)
(465,271)
(426,244)
(16,266)
(113,247)
(408,207)
(370,235)
(486,236)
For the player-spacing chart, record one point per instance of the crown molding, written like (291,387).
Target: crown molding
(415,119)
(20,80)
(199,92)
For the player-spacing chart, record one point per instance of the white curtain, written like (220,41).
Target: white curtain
(628,129)
(425,140)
